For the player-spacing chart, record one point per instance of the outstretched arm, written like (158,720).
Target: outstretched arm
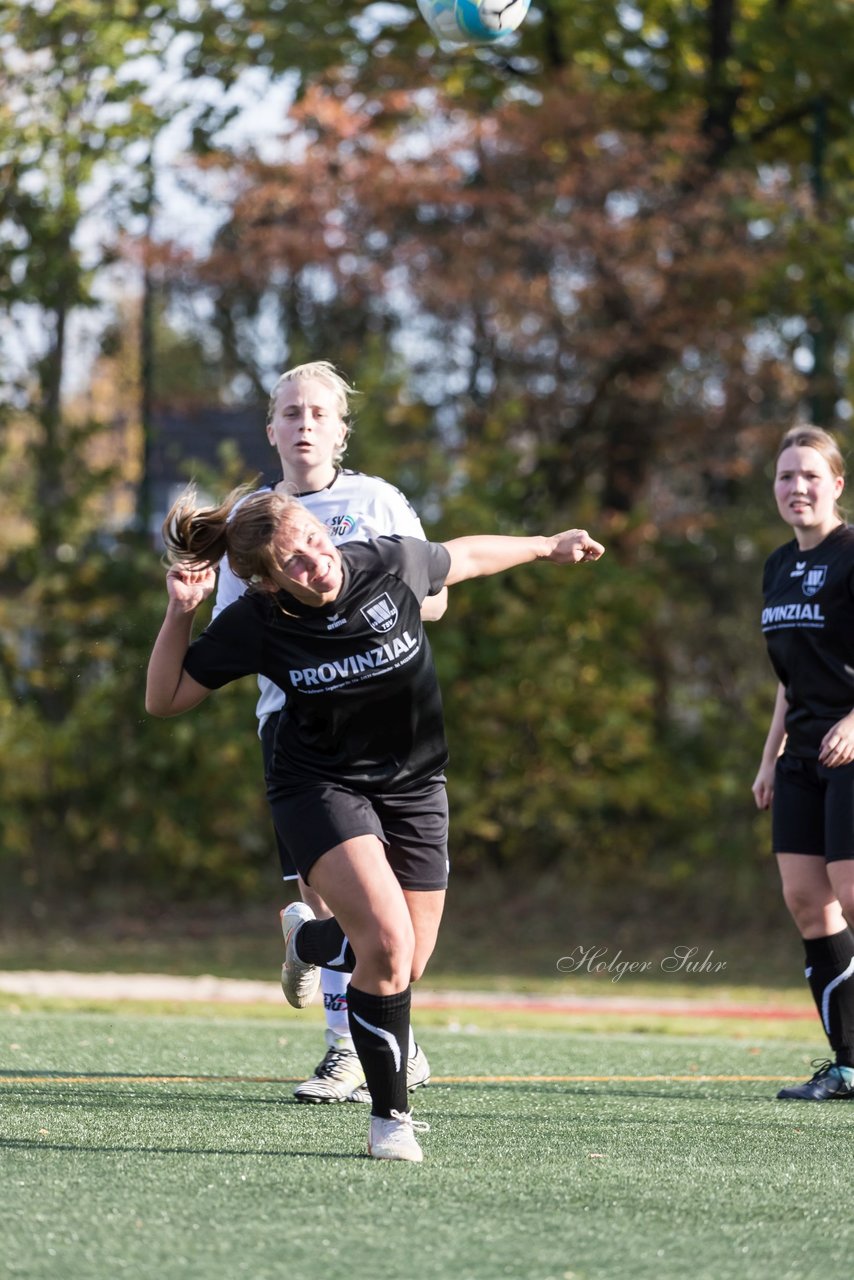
(482,555)
(169,689)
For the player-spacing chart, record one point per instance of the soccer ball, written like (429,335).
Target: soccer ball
(473,21)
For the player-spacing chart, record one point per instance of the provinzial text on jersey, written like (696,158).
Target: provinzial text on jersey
(354,664)
(781,613)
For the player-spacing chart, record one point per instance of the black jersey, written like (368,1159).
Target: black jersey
(363,701)
(808,621)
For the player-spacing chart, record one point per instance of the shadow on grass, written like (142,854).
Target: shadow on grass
(21,1144)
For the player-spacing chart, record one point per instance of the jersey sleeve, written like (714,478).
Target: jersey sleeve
(391,513)
(230,647)
(767,576)
(423,566)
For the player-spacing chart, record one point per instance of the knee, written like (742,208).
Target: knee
(815,916)
(389,954)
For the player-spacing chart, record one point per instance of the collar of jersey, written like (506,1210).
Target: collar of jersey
(828,537)
(306,493)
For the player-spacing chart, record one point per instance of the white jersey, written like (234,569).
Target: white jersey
(354,508)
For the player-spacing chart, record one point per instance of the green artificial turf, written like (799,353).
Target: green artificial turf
(169,1146)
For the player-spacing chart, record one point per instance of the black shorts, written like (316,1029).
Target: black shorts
(268,744)
(318,815)
(813,809)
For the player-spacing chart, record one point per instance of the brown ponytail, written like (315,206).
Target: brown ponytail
(198,534)
(203,535)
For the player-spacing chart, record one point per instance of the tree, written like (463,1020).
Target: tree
(74,123)
(565,300)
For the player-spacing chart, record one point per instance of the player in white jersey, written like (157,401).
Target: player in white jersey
(307,424)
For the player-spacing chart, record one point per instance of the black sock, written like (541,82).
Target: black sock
(830,973)
(379,1026)
(324,942)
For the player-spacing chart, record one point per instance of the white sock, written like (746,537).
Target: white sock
(412,1045)
(334,987)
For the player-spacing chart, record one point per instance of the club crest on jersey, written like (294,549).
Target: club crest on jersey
(381,613)
(340,527)
(814,579)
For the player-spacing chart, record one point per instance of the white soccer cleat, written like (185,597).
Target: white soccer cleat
(299,980)
(394,1139)
(336,1077)
(417,1075)
(417,1070)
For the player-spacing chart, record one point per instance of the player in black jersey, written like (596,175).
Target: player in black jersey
(357,776)
(806,775)
(308,425)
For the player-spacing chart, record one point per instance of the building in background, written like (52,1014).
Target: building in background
(203,445)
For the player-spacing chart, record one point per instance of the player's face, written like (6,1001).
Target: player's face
(807,490)
(309,563)
(306,428)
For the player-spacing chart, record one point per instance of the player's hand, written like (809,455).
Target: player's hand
(837,745)
(189,585)
(574,545)
(763,787)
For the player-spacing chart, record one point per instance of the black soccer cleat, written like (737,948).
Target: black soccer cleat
(829,1082)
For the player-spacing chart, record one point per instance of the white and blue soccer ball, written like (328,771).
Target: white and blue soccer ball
(473,21)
